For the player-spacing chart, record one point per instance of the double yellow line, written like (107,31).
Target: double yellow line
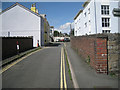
(63,83)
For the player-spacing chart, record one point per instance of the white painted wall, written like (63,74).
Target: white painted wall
(0,25)
(114,20)
(20,22)
(119,19)
(95,17)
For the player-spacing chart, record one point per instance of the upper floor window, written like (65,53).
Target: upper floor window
(85,14)
(89,11)
(89,21)
(86,24)
(76,32)
(50,31)
(45,31)
(105,22)
(105,9)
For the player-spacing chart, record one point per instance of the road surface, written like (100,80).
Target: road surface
(42,69)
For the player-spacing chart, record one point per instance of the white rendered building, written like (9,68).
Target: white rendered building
(19,21)
(97,17)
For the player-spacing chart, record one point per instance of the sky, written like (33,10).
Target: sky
(58,14)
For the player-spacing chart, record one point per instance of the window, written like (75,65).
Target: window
(50,31)
(105,22)
(89,21)
(85,14)
(76,32)
(45,31)
(105,31)
(89,11)
(86,24)
(105,9)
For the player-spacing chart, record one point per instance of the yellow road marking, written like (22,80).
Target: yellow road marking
(12,64)
(65,84)
(61,82)
(63,71)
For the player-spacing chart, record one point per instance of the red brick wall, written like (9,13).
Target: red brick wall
(93,47)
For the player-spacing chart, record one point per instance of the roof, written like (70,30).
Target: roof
(20,6)
(86,3)
(78,14)
(51,26)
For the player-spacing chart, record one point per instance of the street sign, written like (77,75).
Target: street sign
(17,47)
(116,12)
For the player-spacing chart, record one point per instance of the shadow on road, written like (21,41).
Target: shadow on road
(52,45)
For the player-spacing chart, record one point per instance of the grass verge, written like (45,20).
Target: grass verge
(66,58)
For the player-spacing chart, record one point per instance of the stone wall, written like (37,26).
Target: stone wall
(113,52)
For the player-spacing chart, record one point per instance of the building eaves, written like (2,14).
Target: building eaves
(86,3)
(22,7)
(78,14)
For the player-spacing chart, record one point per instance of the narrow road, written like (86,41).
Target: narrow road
(39,70)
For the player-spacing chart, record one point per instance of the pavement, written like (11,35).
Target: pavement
(39,70)
(86,77)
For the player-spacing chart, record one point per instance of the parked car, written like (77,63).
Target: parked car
(61,40)
(57,40)
(66,40)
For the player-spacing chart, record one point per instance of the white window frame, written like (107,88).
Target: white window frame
(105,9)
(105,22)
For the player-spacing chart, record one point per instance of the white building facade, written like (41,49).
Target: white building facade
(19,21)
(97,17)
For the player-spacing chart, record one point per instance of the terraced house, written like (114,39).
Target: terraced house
(19,21)
(97,17)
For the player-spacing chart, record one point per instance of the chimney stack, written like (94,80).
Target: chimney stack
(33,8)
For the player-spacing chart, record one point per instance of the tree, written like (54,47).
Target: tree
(66,34)
(72,32)
(56,34)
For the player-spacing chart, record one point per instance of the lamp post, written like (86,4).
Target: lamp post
(8,34)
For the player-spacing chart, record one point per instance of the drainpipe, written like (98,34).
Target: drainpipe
(95,17)
(107,55)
